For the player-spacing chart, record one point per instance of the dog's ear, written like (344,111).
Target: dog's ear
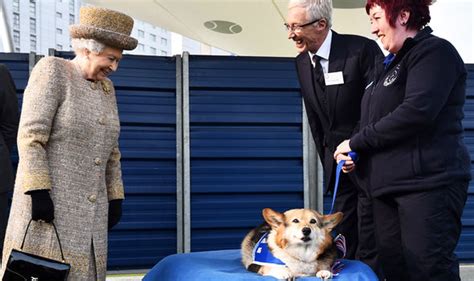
(273,218)
(330,221)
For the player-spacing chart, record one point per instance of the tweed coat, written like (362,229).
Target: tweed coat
(68,143)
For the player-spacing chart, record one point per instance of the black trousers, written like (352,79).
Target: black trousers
(357,225)
(417,233)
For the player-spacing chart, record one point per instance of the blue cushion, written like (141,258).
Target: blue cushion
(225,265)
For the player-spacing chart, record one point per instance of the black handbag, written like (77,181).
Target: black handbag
(23,266)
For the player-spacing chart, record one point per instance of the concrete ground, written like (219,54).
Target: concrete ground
(126,275)
(467,274)
(124,278)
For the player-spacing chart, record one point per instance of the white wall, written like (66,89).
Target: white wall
(454,20)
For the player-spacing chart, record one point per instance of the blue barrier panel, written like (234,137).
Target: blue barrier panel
(246,145)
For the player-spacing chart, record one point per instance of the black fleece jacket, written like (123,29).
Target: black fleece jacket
(411,133)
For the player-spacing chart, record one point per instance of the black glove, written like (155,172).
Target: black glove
(42,207)
(115,212)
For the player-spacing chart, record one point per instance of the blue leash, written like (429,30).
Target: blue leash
(354,157)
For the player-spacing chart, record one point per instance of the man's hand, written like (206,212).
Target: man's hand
(342,148)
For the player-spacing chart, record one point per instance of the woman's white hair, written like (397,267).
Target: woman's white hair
(315,9)
(89,44)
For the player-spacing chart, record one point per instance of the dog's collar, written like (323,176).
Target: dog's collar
(262,254)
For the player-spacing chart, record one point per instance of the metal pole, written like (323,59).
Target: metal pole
(312,170)
(186,156)
(179,156)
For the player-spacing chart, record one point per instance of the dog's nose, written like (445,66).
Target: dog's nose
(306,231)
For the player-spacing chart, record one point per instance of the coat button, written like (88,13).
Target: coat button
(97,161)
(92,198)
(102,120)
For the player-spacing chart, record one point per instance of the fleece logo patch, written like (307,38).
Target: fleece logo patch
(392,76)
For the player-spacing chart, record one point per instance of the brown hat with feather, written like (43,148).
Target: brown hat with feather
(109,27)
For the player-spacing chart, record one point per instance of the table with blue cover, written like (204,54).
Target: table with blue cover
(225,265)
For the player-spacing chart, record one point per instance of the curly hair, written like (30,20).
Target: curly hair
(419,11)
(90,44)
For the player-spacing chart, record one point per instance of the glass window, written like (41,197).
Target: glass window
(71,6)
(71,19)
(16,21)
(164,53)
(33,25)
(59,47)
(153,50)
(59,15)
(164,41)
(141,33)
(153,37)
(32,42)
(59,31)
(16,38)
(33,7)
(141,47)
(16,6)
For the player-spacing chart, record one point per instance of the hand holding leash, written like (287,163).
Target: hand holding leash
(343,153)
(343,148)
(353,156)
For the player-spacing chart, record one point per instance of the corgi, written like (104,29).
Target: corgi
(298,243)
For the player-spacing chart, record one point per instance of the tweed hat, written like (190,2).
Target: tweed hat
(109,27)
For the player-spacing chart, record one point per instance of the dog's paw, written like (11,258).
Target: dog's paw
(279,272)
(324,274)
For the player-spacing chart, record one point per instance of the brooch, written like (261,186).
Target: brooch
(103,84)
(106,87)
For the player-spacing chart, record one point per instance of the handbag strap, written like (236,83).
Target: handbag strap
(57,236)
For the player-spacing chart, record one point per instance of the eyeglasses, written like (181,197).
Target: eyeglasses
(298,27)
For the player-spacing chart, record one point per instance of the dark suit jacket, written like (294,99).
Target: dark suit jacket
(355,57)
(8,127)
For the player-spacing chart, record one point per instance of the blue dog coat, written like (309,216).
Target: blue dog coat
(262,255)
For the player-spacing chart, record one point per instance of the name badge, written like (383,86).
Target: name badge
(333,78)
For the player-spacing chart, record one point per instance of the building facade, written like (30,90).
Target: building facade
(38,25)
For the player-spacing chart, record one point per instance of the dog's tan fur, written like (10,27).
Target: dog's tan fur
(312,254)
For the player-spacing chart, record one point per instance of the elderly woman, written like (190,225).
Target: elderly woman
(411,144)
(69,171)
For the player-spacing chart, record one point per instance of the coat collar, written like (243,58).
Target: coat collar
(409,43)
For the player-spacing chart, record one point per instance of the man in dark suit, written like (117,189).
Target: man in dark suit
(333,71)
(8,131)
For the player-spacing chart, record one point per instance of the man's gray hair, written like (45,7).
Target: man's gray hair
(315,9)
(89,44)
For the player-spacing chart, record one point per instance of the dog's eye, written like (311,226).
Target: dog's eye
(296,221)
(313,221)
